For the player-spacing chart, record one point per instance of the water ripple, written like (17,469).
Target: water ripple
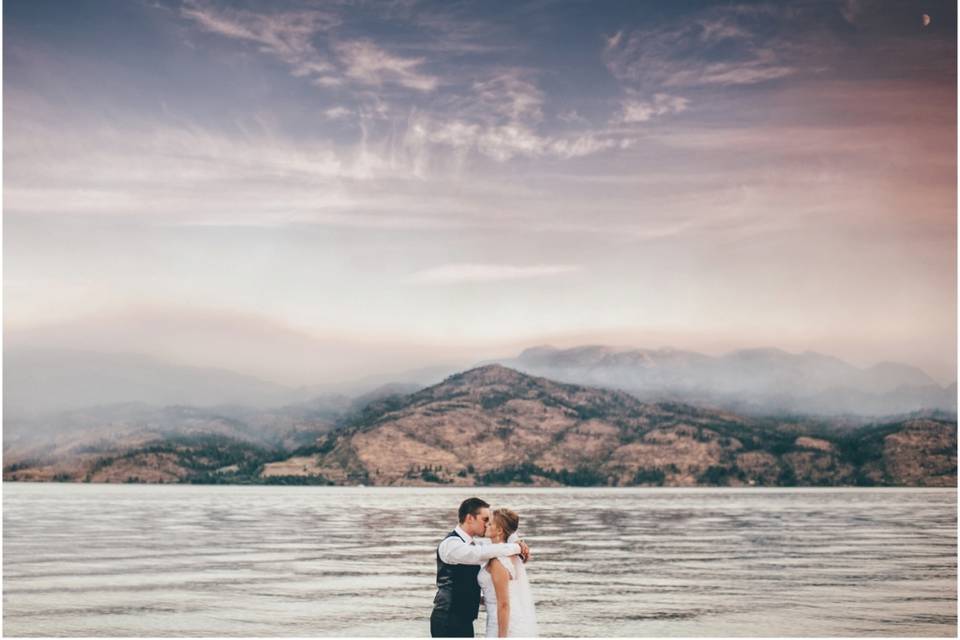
(94,560)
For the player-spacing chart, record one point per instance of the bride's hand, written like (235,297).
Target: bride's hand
(524,550)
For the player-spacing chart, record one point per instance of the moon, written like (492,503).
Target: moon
(926,20)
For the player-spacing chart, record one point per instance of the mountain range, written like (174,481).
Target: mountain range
(753,382)
(749,381)
(488,425)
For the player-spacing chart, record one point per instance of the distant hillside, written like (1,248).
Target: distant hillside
(748,381)
(494,425)
(38,381)
(751,382)
(68,444)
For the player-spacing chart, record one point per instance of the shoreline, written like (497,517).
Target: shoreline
(480,488)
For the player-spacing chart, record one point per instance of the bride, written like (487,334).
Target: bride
(503,581)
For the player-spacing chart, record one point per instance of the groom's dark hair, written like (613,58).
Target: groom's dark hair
(470,506)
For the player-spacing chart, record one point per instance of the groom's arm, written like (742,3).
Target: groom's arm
(456,551)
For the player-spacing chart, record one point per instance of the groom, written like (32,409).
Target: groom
(459,557)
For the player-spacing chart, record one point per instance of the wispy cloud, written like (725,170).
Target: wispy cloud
(291,36)
(369,64)
(466,273)
(183,175)
(762,65)
(501,118)
(506,141)
(495,112)
(723,46)
(634,110)
(509,94)
(335,113)
(287,36)
(720,28)
(614,41)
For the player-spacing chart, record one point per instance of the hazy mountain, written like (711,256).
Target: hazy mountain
(384,392)
(74,437)
(753,381)
(251,344)
(749,381)
(117,426)
(39,381)
(494,425)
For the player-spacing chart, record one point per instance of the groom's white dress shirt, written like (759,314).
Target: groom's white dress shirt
(472,550)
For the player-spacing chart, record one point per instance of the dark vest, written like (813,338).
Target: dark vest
(458,592)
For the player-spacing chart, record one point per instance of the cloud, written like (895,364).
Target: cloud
(585,145)
(716,29)
(504,142)
(723,46)
(291,36)
(614,41)
(286,36)
(643,110)
(464,273)
(573,117)
(189,175)
(179,172)
(728,74)
(327,81)
(368,64)
(336,113)
(498,113)
(498,116)
(510,95)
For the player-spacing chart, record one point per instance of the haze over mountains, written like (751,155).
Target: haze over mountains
(39,381)
(751,382)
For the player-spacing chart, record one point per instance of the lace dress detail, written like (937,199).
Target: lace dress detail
(523,620)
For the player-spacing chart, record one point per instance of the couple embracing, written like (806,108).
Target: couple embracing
(483,556)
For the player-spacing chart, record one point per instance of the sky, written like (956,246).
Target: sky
(312,191)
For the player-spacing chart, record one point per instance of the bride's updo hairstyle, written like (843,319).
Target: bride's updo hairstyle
(507,520)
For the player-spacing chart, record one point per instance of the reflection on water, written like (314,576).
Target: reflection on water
(139,560)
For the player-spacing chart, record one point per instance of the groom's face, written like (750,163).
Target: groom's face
(476,524)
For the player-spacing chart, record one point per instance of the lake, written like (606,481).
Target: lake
(182,560)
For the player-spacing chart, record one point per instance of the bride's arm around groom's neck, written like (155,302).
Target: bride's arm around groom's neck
(456,551)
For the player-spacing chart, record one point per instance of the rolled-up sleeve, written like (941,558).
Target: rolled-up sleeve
(456,551)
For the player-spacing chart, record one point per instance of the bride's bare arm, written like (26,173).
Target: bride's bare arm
(501,584)
(455,551)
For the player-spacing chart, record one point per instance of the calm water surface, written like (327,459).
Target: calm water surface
(139,560)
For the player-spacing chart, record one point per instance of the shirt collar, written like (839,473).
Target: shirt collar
(463,534)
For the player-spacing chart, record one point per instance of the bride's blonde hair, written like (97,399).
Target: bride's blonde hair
(507,520)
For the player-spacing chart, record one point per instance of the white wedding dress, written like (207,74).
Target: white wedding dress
(523,618)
